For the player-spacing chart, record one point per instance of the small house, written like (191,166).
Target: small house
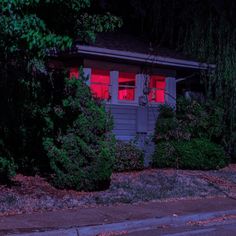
(133,79)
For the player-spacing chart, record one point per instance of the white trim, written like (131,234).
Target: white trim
(127,102)
(170,95)
(140,79)
(87,73)
(114,76)
(141,57)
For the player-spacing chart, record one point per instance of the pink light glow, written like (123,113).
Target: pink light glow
(157,86)
(74,72)
(126,86)
(100,81)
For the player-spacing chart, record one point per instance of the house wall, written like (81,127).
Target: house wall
(125,119)
(131,119)
(127,67)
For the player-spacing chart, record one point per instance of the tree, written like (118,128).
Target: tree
(27,34)
(27,30)
(204,30)
(78,139)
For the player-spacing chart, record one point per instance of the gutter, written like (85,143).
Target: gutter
(141,57)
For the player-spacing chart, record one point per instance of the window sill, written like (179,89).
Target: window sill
(123,102)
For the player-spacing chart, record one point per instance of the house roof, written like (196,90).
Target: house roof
(129,43)
(129,48)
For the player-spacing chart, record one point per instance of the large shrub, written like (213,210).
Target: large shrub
(190,120)
(128,157)
(189,137)
(7,170)
(194,154)
(30,90)
(168,127)
(78,141)
(201,119)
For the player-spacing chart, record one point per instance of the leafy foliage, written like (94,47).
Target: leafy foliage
(128,157)
(202,119)
(190,137)
(28,29)
(7,170)
(202,29)
(81,150)
(194,154)
(31,93)
(191,120)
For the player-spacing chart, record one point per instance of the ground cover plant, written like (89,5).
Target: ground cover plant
(193,154)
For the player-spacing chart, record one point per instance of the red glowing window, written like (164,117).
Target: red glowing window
(157,86)
(74,73)
(126,89)
(100,82)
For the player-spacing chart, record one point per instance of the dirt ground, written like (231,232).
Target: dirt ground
(34,194)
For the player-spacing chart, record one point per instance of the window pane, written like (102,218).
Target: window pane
(157,86)
(100,91)
(100,76)
(126,86)
(100,81)
(126,94)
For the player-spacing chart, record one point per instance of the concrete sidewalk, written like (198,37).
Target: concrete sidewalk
(97,216)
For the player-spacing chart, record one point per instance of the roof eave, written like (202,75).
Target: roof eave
(140,57)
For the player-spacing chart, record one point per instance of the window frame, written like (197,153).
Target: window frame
(127,101)
(155,89)
(107,73)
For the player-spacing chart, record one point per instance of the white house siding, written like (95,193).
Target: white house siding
(130,119)
(127,123)
(124,118)
(152,117)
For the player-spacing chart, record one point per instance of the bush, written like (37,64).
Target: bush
(191,120)
(128,157)
(168,127)
(201,119)
(194,154)
(78,141)
(190,137)
(22,122)
(7,170)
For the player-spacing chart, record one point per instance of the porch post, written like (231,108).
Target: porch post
(139,82)
(87,73)
(170,92)
(114,76)
(142,111)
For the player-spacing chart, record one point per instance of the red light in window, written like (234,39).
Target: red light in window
(126,94)
(74,72)
(157,86)
(100,82)
(126,86)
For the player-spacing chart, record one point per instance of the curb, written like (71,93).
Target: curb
(131,226)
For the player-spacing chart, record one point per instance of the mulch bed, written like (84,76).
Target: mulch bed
(33,194)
